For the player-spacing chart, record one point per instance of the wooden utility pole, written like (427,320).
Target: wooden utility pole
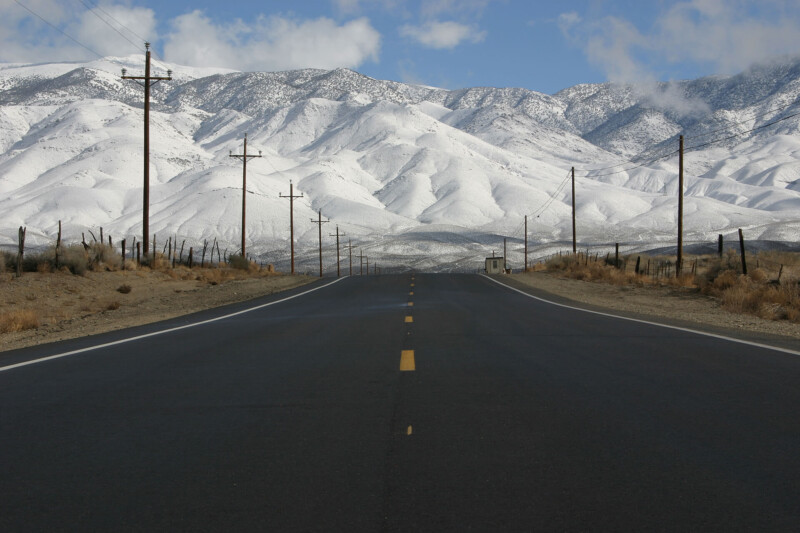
(244,157)
(291,198)
(679,261)
(350,250)
(320,222)
(574,237)
(338,261)
(526,243)
(505,256)
(146,81)
(361,269)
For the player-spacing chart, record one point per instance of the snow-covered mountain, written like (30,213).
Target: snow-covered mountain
(414,176)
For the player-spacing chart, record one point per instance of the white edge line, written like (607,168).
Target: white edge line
(160,332)
(687,330)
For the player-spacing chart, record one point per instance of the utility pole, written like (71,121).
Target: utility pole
(361,270)
(574,238)
(367,266)
(291,198)
(505,256)
(526,243)
(350,250)
(148,82)
(679,261)
(338,261)
(244,157)
(320,222)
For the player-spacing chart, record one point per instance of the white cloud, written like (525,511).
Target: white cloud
(442,35)
(725,36)
(24,37)
(271,43)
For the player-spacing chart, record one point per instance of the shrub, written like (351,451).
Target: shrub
(239,262)
(18,320)
(75,258)
(124,289)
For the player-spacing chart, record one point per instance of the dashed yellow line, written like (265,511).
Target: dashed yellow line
(407,361)
(409,319)
(411,304)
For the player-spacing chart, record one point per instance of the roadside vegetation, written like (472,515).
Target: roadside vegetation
(769,290)
(90,280)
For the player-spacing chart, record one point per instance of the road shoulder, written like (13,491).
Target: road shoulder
(675,307)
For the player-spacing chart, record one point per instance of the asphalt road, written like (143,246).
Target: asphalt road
(400,403)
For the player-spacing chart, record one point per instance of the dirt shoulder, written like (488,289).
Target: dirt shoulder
(676,306)
(68,306)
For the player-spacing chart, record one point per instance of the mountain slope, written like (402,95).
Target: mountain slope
(414,175)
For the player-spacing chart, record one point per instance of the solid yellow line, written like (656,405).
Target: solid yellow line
(407,361)
(409,319)
(409,431)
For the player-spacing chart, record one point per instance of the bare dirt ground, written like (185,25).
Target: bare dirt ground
(68,306)
(677,305)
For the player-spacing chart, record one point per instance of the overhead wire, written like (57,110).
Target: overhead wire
(92,9)
(70,37)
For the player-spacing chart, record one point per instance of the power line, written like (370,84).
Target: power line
(696,147)
(71,38)
(105,21)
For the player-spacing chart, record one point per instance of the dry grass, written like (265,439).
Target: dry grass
(759,293)
(18,320)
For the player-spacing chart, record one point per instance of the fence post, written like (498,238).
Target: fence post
(191,250)
(21,252)
(616,255)
(741,246)
(123,254)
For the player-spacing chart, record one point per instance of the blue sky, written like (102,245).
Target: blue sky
(540,45)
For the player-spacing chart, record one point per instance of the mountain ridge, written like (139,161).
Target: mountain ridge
(385,159)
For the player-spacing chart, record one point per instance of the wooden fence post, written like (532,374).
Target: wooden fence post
(123,254)
(616,255)
(741,246)
(139,253)
(21,252)
(58,246)
(191,250)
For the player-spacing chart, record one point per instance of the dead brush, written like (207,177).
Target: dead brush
(19,320)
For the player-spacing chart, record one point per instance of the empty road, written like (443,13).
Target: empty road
(400,403)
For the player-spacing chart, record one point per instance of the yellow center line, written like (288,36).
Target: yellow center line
(409,319)
(411,304)
(411,293)
(407,361)
(409,431)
